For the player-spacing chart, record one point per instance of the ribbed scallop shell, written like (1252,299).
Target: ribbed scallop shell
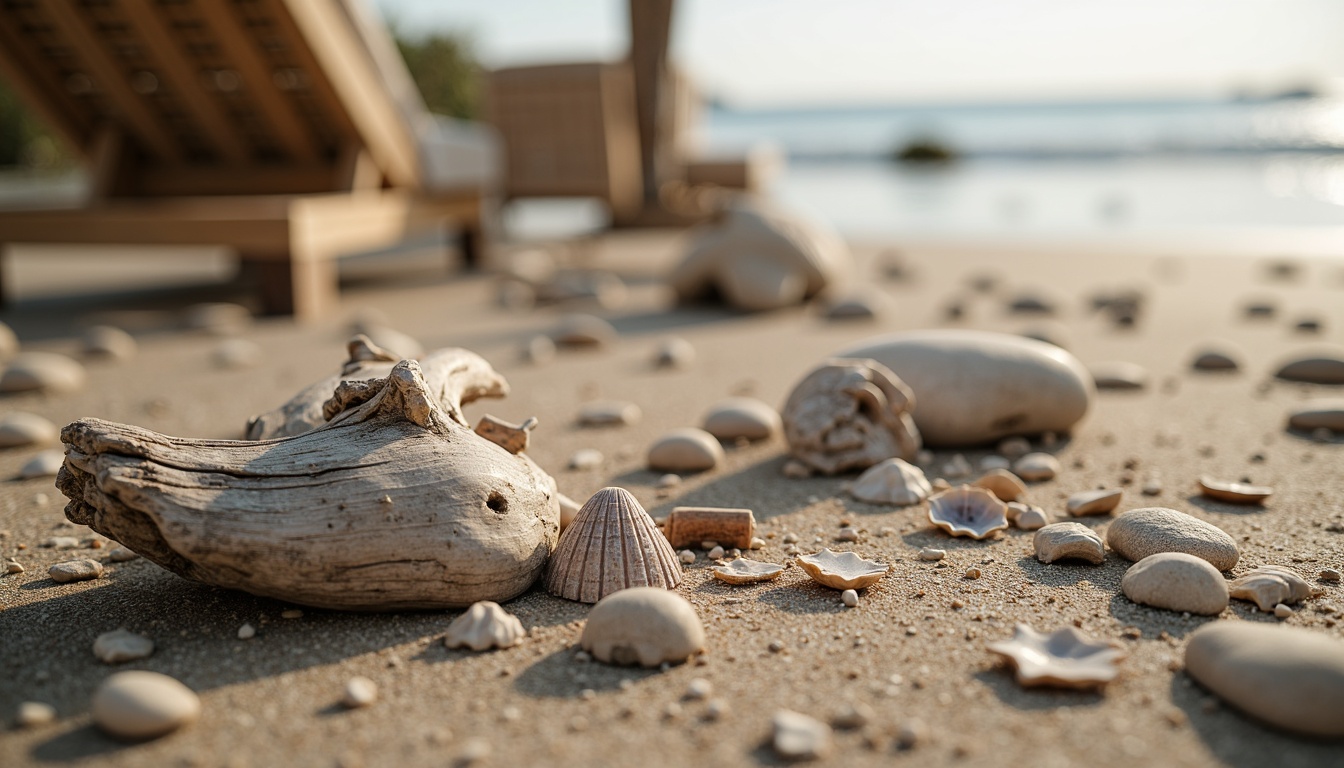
(612,544)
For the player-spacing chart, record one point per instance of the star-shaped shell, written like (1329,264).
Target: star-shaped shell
(1269,585)
(744,571)
(968,511)
(1065,658)
(842,570)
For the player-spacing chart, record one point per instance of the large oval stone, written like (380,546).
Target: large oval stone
(141,705)
(1178,582)
(974,387)
(1288,677)
(1139,533)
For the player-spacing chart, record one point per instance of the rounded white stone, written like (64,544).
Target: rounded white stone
(143,705)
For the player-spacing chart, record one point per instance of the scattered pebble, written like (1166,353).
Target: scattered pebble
(930,554)
(1216,360)
(1234,493)
(1326,367)
(19,429)
(912,733)
(44,464)
(799,737)
(687,556)
(75,570)
(61,543)
(1119,375)
(13,566)
(583,331)
(139,705)
(1318,413)
(1100,502)
(121,555)
(1329,574)
(1282,611)
(359,692)
(1036,467)
(847,534)
(42,371)
(972,573)
(1014,448)
(586,459)
(538,350)
(957,467)
(674,353)
(992,462)
(247,632)
(643,625)
(32,714)
(108,342)
(850,598)
(668,480)
(743,418)
(609,413)
(473,751)
(121,645)
(235,354)
(1177,582)
(1138,533)
(853,716)
(698,689)
(685,450)
(217,318)
(716,553)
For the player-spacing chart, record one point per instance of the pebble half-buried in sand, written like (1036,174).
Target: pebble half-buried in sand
(428,514)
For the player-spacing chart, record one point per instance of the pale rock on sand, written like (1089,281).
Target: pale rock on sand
(799,737)
(1177,582)
(974,387)
(1003,484)
(44,371)
(1326,366)
(1118,374)
(1322,413)
(538,350)
(643,625)
(19,429)
(1037,467)
(1270,586)
(862,305)
(121,645)
(9,343)
(121,555)
(234,354)
(32,714)
(929,554)
(247,632)
(483,626)
(1099,502)
(1068,541)
(685,450)
(1138,533)
(44,464)
(609,413)
(743,418)
(675,352)
(141,705)
(585,459)
(1220,358)
(893,481)
(359,692)
(583,331)
(108,342)
(1013,448)
(1288,677)
(75,570)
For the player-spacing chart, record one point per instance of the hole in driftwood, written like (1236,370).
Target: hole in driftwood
(497,502)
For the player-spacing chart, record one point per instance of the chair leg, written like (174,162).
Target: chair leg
(299,287)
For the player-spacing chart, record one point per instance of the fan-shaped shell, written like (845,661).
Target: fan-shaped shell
(612,545)
(842,570)
(968,511)
(1269,585)
(893,481)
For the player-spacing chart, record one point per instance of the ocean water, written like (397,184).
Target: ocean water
(1080,169)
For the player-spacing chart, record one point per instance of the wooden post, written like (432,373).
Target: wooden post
(650,32)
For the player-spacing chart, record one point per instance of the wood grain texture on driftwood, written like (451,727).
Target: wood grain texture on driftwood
(455,376)
(393,504)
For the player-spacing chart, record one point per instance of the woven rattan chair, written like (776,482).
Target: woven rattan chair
(288,130)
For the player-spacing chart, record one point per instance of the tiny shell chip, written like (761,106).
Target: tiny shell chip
(483,626)
(842,570)
(45,371)
(685,450)
(743,418)
(1032,518)
(744,571)
(1036,467)
(1119,375)
(1068,541)
(894,481)
(140,705)
(1003,484)
(20,429)
(968,511)
(1094,502)
(119,645)
(1177,582)
(645,626)
(1270,585)
(1234,493)
(799,737)
(583,331)
(1065,658)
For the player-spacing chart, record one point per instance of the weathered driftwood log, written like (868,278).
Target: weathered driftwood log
(456,376)
(395,503)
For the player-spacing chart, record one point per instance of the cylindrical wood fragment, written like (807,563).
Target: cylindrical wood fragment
(692,525)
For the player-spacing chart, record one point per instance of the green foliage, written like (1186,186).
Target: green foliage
(445,71)
(24,140)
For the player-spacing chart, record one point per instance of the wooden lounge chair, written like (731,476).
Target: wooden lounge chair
(288,130)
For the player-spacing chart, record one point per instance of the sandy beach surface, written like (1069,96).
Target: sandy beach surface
(913,649)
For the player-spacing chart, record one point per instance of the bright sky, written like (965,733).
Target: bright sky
(800,52)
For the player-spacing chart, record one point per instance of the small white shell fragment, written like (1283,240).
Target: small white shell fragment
(247,632)
(32,714)
(799,737)
(1003,484)
(609,413)
(1098,502)
(643,625)
(1282,611)
(1065,658)
(359,692)
(931,555)
(1177,582)
(742,418)
(44,464)
(675,352)
(850,598)
(139,705)
(715,553)
(968,511)
(686,556)
(744,571)
(1027,517)
(1269,586)
(45,371)
(13,566)
(75,570)
(19,429)
(121,645)
(1036,467)
(231,354)
(585,459)
(685,450)
(109,342)
(1234,493)
(842,570)
(1068,541)
(699,689)
(669,480)
(483,626)
(894,481)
